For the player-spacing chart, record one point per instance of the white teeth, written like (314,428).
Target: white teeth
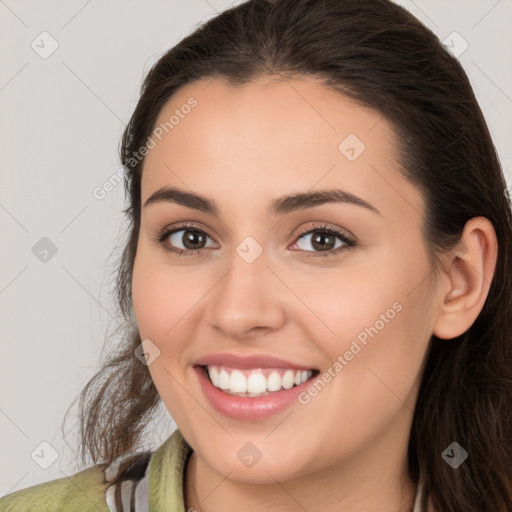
(256,384)
(223,380)
(274,382)
(238,382)
(287,380)
(214,376)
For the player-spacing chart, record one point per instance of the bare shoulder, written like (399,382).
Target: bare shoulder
(82,492)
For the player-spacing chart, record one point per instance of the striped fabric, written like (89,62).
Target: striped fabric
(132,494)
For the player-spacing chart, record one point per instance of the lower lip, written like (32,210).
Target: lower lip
(249,408)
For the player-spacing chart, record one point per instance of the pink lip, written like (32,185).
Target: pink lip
(249,408)
(248,362)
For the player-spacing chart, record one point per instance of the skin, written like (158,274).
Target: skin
(346,449)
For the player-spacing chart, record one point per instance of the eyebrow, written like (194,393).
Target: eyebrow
(279,206)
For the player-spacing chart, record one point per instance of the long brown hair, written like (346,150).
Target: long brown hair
(384,58)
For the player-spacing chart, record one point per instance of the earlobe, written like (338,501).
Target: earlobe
(470,272)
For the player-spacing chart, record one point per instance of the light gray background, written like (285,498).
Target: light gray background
(62,118)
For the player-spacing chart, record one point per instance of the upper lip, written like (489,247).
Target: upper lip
(248,362)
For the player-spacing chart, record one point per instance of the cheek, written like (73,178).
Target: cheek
(346,304)
(160,303)
(162,297)
(375,361)
(146,300)
(383,298)
(373,325)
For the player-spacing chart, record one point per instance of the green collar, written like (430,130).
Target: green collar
(167,474)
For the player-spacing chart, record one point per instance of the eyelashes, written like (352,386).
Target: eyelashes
(347,242)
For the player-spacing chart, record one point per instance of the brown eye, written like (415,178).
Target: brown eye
(187,239)
(191,239)
(323,240)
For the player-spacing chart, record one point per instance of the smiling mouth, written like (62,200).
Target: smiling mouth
(256,382)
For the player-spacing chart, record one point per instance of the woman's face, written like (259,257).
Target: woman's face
(258,285)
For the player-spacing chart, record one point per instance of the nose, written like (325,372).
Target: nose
(247,301)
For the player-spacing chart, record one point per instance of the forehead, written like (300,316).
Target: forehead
(270,136)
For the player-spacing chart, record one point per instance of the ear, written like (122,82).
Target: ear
(470,271)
